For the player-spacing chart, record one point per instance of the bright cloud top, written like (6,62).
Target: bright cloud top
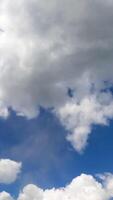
(84,187)
(9,171)
(48,47)
(5,196)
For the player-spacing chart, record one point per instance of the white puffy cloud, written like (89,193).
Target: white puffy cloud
(31,192)
(48,47)
(107,181)
(83,187)
(9,170)
(78,117)
(5,196)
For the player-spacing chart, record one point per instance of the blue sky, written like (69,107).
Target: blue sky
(48,159)
(56,100)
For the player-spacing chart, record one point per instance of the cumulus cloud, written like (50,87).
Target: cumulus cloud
(48,47)
(83,187)
(9,171)
(78,117)
(107,179)
(5,196)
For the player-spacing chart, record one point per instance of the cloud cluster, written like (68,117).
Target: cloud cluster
(9,171)
(83,187)
(47,48)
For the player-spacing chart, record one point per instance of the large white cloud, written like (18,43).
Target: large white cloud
(48,47)
(9,170)
(83,187)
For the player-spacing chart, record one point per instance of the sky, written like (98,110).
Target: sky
(56,100)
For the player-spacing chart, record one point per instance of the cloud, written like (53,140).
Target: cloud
(83,187)
(108,181)
(47,48)
(78,117)
(5,196)
(9,171)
